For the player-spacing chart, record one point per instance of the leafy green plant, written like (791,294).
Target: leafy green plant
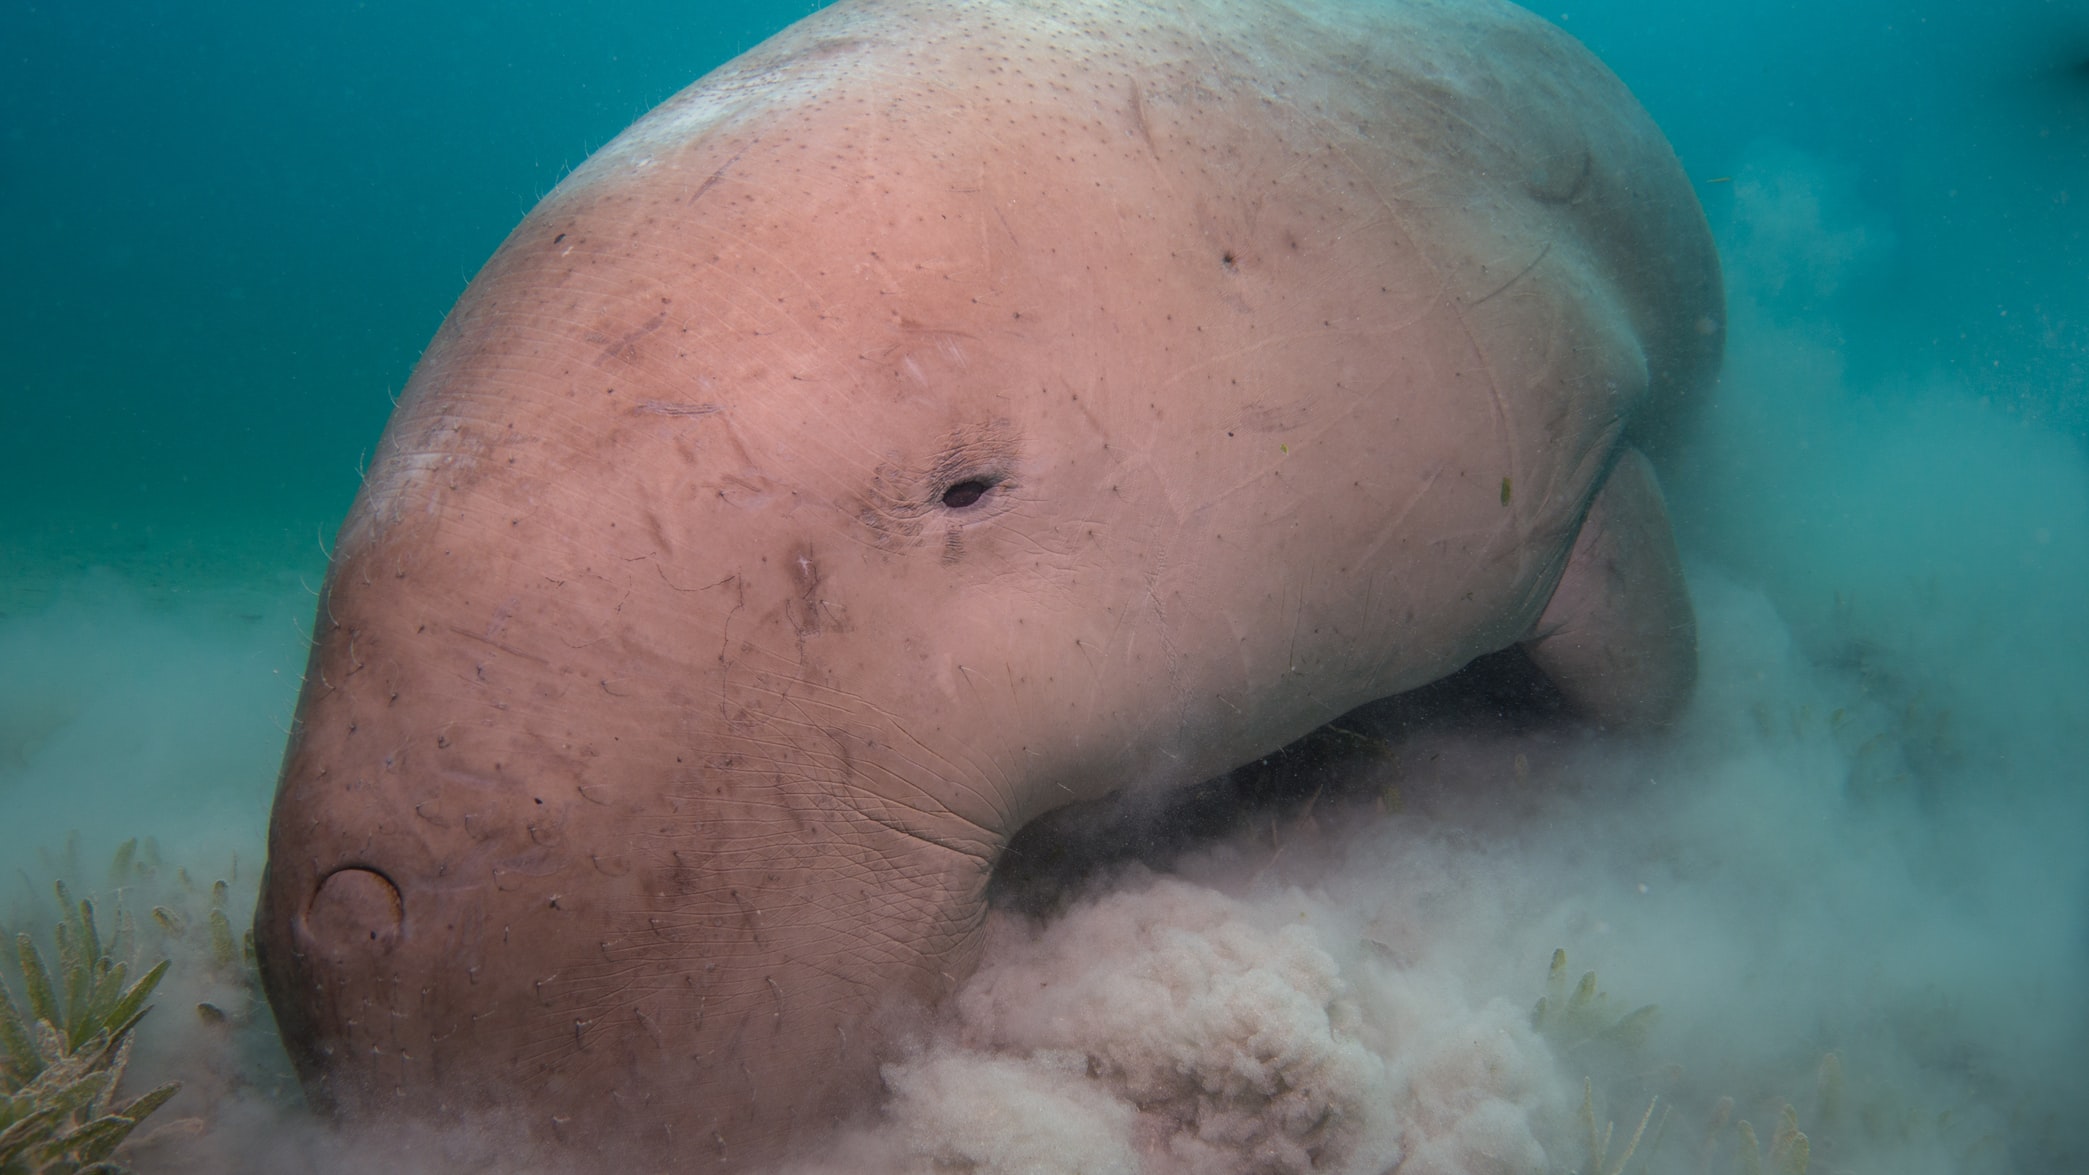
(1790,1152)
(1569,1020)
(1599,1162)
(62,1061)
(1578,1020)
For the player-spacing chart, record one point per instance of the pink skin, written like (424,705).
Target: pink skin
(939,415)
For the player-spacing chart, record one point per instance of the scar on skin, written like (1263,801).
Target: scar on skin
(806,610)
(671,408)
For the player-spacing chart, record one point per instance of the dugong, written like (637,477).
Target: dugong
(947,411)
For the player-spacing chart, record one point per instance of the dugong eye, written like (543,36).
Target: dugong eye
(964,493)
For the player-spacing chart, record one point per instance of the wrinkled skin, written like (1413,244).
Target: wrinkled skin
(950,410)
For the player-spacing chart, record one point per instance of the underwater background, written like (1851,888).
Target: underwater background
(1856,879)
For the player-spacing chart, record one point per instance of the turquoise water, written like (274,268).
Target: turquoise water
(235,224)
(240,221)
(231,226)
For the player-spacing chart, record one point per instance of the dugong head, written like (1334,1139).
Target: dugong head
(946,412)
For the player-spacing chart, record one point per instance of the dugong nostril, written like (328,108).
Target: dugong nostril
(352,907)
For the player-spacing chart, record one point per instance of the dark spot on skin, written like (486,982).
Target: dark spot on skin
(685,878)
(1226,259)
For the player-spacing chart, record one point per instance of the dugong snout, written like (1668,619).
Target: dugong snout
(505,863)
(342,929)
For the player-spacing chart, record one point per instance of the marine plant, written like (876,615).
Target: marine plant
(64,1047)
(1790,1151)
(1599,1162)
(1571,1020)
(1578,1022)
